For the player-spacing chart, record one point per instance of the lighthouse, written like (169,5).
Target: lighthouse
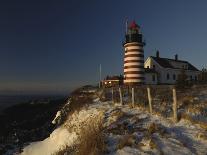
(133,56)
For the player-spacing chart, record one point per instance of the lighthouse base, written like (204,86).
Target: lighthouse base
(133,83)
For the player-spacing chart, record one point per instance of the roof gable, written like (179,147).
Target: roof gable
(165,63)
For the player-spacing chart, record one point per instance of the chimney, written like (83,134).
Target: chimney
(157,54)
(176,57)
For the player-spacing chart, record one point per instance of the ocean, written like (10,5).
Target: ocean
(9,100)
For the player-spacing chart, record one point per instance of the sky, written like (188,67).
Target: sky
(50,46)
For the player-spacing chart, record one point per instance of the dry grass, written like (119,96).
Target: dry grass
(152,128)
(100,94)
(202,136)
(90,139)
(194,121)
(153,144)
(117,113)
(76,102)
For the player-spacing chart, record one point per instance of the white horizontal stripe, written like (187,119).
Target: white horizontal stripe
(133,44)
(133,47)
(133,58)
(133,69)
(134,63)
(134,52)
(133,80)
(134,75)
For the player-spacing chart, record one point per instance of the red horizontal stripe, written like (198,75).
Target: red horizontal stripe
(134,50)
(133,66)
(134,55)
(141,61)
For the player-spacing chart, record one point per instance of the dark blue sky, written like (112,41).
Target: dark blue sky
(55,46)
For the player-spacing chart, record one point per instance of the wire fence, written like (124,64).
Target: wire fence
(164,100)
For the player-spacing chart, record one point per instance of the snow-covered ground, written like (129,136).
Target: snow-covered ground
(137,132)
(127,131)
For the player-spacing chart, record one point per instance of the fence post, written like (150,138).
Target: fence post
(175,105)
(120,95)
(112,95)
(149,99)
(133,97)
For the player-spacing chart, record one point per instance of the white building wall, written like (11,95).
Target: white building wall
(162,72)
(149,78)
(150,63)
(176,72)
(169,72)
(193,74)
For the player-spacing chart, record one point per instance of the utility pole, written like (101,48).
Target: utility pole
(100,76)
(126,24)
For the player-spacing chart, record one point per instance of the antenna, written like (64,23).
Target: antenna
(126,25)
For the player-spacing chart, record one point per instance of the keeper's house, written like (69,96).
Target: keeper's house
(166,71)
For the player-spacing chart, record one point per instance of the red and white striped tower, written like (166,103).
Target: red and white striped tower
(134,56)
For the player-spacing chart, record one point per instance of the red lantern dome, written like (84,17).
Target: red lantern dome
(133,25)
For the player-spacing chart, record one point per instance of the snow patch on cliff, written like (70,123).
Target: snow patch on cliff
(58,115)
(57,140)
(66,135)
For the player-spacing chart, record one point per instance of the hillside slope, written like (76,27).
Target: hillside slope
(124,130)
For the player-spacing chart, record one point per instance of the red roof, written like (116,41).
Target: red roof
(133,25)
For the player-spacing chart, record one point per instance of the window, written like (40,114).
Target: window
(195,78)
(174,77)
(154,66)
(191,78)
(153,77)
(147,66)
(168,76)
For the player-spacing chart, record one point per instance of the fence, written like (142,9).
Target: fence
(164,100)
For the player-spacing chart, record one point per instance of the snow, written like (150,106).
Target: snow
(58,114)
(169,138)
(128,151)
(122,122)
(57,140)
